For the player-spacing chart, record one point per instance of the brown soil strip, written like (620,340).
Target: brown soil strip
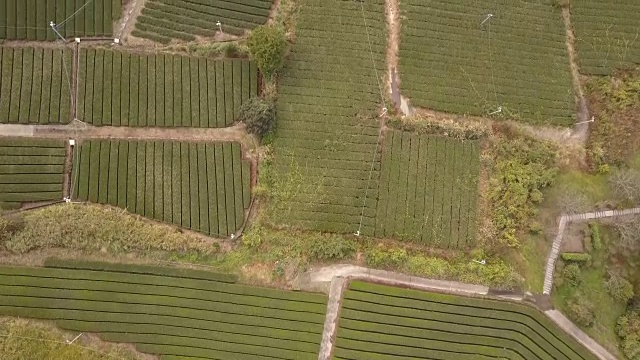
(392,81)
(581,129)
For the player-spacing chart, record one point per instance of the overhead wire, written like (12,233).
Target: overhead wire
(384,105)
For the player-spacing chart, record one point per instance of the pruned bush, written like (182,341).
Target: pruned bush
(572,275)
(580,311)
(576,257)
(332,248)
(596,239)
(619,288)
(258,114)
(267,46)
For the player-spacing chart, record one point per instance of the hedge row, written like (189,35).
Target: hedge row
(125,89)
(165,318)
(203,187)
(29,19)
(326,141)
(183,20)
(140,269)
(472,68)
(380,322)
(428,189)
(606,35)
(31,170)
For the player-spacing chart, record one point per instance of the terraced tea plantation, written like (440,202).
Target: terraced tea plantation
(174,313)
(30,171)
(126,89)
(327,132)
(165,20)
(203,187)
(607,35)
(380,322)
(516,60)
(428,189)
(29,19)
(34,87)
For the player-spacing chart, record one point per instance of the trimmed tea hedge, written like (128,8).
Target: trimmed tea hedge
(29,19)
(328,101)
(34,87)
(428,189)
(381,322)
(164,20)
(131,89)
(203,187)
(30,170)
(607,35)
(516,60)
(167,315)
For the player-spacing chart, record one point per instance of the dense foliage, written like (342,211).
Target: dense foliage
(523,167)
(258,114)
(267,46)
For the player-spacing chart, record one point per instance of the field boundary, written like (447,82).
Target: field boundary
(563,222)
(335,280)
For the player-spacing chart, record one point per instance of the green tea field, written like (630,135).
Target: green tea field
(129,89)
(516,60)
(164,20)
(29,19)
(203,187)
(174,313)
(30,170)
(384,323)
(327,133)
(607,35)
(34,86)
(428,189)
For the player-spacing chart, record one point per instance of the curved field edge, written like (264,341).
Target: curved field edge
(456,326)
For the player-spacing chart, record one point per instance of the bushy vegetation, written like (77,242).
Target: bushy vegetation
(523,167)
(576,257)
(267,47)
(572,275)
(581,311)
(96,228)
(32,340)
(619,288)
(258,114)
(628,329)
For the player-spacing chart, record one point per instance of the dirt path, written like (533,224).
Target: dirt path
(570,328)
(392,11)
(131,11)
(581,129)
(81,131)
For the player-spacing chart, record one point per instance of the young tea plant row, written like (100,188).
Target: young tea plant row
(30,171)
(607,35)
(34,85)
(515,60)
(381,322)
(428,189)
(203,187)
(171,313)
(30,19)
(126,89)
(326,149)
(164,20)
